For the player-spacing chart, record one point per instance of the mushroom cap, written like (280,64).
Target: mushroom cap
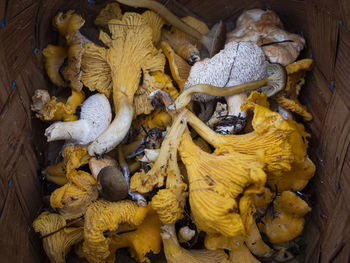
(144,240)
(262,27)
(278,78)
(113,184)
(103,215)
(72,199)
(156,22)
(96,71)
(96,111)
(97,164)
(110,11)
(237,63)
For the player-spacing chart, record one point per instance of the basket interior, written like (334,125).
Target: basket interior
(26,29)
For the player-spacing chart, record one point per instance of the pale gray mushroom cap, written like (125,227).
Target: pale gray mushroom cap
(237,63)
(96,110)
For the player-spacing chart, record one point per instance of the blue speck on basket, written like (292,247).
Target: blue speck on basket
(13,84)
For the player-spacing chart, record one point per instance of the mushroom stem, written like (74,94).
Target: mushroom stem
(203,130)
(72,130)
(141,201)
(186,96)
(116,132)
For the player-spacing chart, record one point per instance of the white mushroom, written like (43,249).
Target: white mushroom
(237,63)
(95,117)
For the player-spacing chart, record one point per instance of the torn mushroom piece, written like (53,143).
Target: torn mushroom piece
(130,44)
(95,117)
(109,12)
(56,109)
(150,155)
(183,44)
(174,253)
(237,63)
(73,158)
(151,81)
(266,29)
(57,245)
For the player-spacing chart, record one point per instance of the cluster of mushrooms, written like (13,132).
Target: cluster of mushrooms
(206,161)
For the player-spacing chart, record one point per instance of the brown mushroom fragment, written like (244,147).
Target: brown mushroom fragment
(113,184)
(56,109)
(109,12)
(266,29)
(97,164)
